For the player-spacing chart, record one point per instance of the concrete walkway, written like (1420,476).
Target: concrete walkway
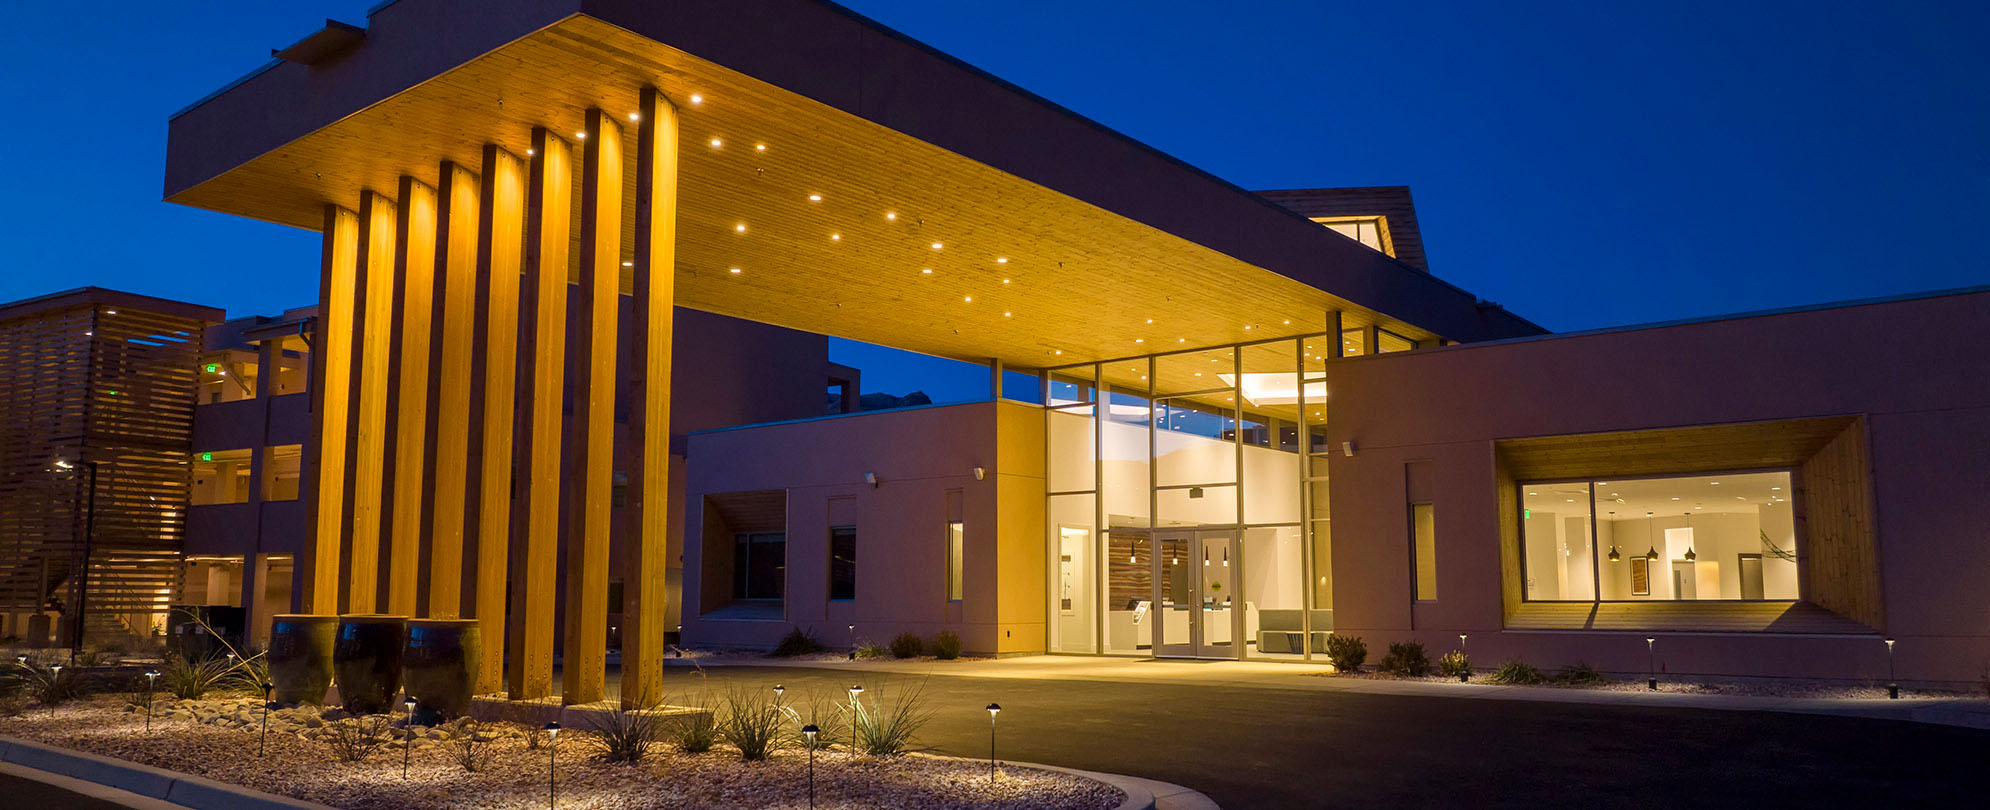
(1266,675)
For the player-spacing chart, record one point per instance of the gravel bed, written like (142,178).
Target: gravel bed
(209,738)
(1690,685)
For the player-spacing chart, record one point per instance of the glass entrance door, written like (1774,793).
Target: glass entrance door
(1195,594)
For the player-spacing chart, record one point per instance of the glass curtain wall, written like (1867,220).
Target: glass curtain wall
(1699,537)
(1187,498)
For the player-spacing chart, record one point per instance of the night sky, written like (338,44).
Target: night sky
(1585,164)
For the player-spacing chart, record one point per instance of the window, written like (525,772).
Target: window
(842,562)
(759,565)
(956,546)
(1675,538)
(1387,341)
(220,476)
(282,471)
(1423,542)
(1372,232)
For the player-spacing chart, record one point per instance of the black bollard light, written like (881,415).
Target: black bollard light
(1651,674)
(853,641)
(1465,674)
(855,709)
(151,683)
(263,744)
(552,764)
(993,709)
(810,731)
(1892,683)
(408,752)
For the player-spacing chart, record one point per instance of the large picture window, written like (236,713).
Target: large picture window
(759,565)
(1700,537)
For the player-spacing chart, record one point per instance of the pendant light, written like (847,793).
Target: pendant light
(1614,556)
(1689,555)
(1652,553)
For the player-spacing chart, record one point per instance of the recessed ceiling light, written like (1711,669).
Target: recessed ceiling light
(635,116)
(1006,314)
(836,237)
(1530,493)
(968,298)
(1247,327)
(717,143)
(1675,499)
(1140,340)
(815,198)
(1005,281)
(531,152)
(759,147)
(580,135)
(1713,483)
(1059,351)
(1181,340)
(697,99)
(734,271)
(1287,321)
(628,264)
(926,271)
(1001,260)
(740,228)
(1775,488)
(937,246)
(1150,320)
(891,215)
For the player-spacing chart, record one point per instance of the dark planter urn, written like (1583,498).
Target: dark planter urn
(368,660)
(440,666)
(300,657)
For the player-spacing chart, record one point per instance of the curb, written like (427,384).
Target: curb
(1141,794)
(144,780)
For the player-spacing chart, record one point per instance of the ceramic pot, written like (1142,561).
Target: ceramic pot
(367,658)
(440,666)
(300,657)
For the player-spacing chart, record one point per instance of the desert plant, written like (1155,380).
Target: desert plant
(471,748)
(1454,664)
(696,731)
(1516,672)
(192,680)
(1346,652)
(906,645)
(751,722)
(534,738)
(1406,659)
(946,645)
(50,684)
(625,735)
(1580,674)
(797,642)
(355,738)
(872,650)
(827,717)
(886,728)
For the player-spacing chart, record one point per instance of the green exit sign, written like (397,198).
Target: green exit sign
(207,457)
(1526,513)
(213,367)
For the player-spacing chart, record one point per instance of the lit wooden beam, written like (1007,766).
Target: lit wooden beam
(645,600)
(500,246)
(583,669)
(368,442)
(542,352)
(454,310)
(331,378)
(413,325)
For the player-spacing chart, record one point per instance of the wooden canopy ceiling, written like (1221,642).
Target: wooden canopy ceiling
(1017,271)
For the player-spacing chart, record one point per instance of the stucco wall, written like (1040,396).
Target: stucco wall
(1913,369)
(918,456)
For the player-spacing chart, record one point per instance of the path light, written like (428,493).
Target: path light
(853,635)
(151,682)
(1465,673)
(778,691)
(263,744)
(809,731)
(855,709)
(408,752)
(552,764)
(993,709)
(1651,649)
(1892,684)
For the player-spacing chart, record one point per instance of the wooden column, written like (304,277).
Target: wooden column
(414,283)
(324,470)
(645,603)
(500,247)
(453,308)
(586,638)
(367,442)
(1334,328)
(542,360)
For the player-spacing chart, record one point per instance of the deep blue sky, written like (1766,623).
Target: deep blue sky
(1586,164)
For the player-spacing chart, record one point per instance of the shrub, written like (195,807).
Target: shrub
(1516,672)
(886,728)
(825,715)
(1346,652)
(626,736)
(906,645)
(1454,664)
(797,642)
(354,739)
(534,737)
(695,732)
(870,650)
(46,684)
(946,645)
(1406,659)
(471,748)
(751,722)
(192,680)
(1580,674)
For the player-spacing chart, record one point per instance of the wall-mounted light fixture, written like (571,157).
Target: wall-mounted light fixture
(872,479)
(980,473)
(1347,449)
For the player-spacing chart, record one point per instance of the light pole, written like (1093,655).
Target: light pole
(151,683)
(1892,683)
(993,709)
(1465,673)
(408,753)
(1651,651)
(809,731)
(264,744)
(856,709)
(552,764)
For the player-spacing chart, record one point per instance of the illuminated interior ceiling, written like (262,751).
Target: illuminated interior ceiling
(832,222)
